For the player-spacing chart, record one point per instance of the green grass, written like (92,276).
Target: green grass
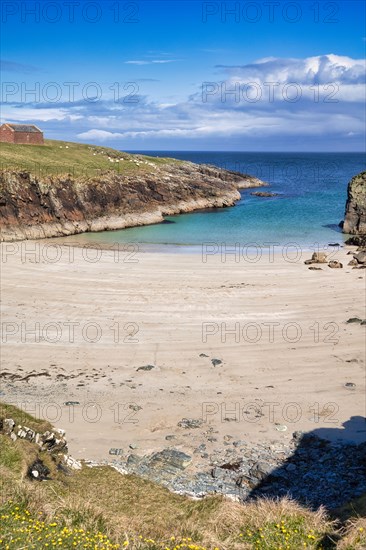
(100,508)
(78,159)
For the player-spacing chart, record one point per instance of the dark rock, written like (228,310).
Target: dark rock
(7,425)
(71,403)
(146,368)
(355,214)
(203,355)
(135,407)
(354,320)
(357,240)
(190,423)
(264,194)
(350,385)
(360,257)
(334,264)
(168,460)
(216,362)
(38,471)
(115,451)
(315,268)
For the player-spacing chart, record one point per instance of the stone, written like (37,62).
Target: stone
(357,240)
(190,423)
(171,458)
(319,258)
(116,452)
(133,446)
(354,320)
(280,427)
(264,194)
(313,268)
(216,362)
(72,462)
(353,262)
(135,407)
(146,368)
(360,257)
(38,471)
(170,437)
(7,425)
(334,264)
(71,403)
(350,385)
(203,355)
(355,213)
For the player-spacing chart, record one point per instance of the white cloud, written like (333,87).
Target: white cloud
(338,78)
(148,62)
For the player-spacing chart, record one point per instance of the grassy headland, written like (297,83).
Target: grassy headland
(77,159)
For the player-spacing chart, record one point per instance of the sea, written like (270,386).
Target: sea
(310,203)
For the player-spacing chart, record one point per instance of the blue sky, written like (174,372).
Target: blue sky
(158,75)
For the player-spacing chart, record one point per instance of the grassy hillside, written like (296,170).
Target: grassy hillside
(62,157)
(101,509)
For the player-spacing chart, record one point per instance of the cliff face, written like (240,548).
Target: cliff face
(33,207)
(355,215)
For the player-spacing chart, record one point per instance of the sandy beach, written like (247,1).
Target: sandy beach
(254,349)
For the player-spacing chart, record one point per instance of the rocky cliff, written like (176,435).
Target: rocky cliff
(33,207)
(355,215)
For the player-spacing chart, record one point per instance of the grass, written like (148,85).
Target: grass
(101,509)
(78,159)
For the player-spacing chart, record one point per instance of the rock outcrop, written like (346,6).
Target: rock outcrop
(355,215)
(32,207)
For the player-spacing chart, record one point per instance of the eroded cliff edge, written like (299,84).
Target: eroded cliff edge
(34,207)
(355,215)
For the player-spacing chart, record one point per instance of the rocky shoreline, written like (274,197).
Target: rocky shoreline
(34,208)
(355,214)
(309,469)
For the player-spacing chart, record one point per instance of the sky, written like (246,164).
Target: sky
(267,75)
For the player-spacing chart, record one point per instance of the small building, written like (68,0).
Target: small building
(21,133)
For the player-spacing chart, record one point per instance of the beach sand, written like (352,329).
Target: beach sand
(81,324)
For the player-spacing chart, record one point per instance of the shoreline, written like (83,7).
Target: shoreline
(221,361)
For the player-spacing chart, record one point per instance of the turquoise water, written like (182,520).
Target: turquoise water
(312,191)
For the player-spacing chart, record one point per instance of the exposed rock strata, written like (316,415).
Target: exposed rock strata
(33,208)
(355,215)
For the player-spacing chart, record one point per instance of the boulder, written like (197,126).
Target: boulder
(360,257)
(317,258)
(334,264)
(355,214)
(7,425)
(38,471)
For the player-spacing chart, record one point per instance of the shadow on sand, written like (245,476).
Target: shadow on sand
(327,469)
